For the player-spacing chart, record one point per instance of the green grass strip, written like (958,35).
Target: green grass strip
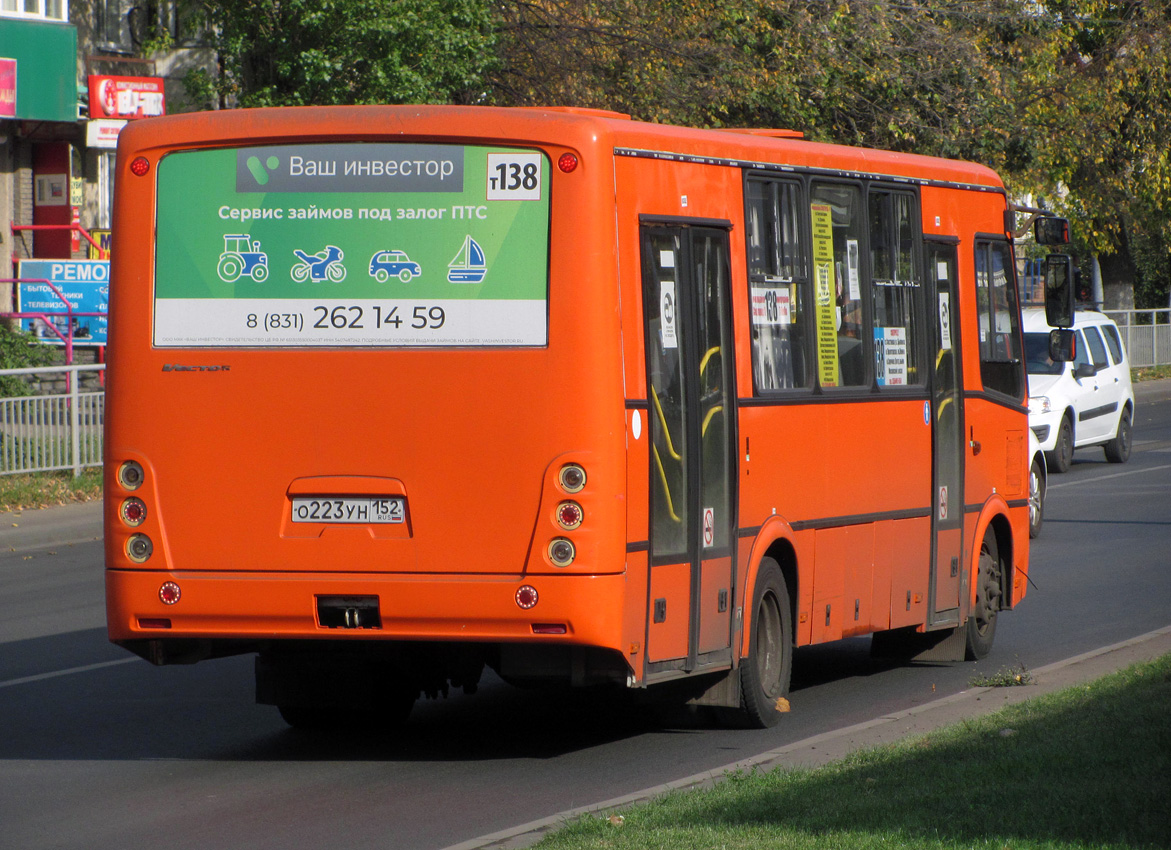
(1088,767)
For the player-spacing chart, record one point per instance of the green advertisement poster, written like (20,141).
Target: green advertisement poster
(352,244)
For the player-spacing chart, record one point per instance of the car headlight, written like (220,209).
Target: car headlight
(1039,404)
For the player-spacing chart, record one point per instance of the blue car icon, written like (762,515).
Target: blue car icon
(387,263)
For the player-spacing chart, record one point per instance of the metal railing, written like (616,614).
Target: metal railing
(52,431)
(1146,335)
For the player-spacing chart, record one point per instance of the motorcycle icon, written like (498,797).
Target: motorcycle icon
(323,265)
(241,257)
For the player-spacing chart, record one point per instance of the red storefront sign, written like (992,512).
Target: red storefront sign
(7,88)
(126,97)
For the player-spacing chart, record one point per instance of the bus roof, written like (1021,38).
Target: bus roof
(570,126)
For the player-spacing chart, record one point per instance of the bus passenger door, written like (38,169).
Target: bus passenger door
(948,434)
(692,426)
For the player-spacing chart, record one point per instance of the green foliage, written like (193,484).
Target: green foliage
(20,350)
(1070,100)
(299,52)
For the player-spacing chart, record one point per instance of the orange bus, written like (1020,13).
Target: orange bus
(397,393)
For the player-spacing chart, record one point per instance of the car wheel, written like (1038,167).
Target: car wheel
(1118,449)
(982,618)
(1036,498)
(1061,458)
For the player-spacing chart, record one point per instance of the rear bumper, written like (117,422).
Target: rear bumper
(257,606)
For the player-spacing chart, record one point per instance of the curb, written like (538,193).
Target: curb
(835,745)
(56,526)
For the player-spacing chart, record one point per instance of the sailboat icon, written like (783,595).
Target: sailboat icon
(468,265)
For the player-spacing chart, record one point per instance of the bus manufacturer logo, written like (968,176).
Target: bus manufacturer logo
(183,367)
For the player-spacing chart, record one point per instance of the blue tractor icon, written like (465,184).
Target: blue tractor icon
(241,257)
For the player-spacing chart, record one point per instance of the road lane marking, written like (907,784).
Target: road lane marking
(1096,478)
(40,677)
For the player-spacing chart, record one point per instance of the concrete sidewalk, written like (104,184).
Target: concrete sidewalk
(56,526)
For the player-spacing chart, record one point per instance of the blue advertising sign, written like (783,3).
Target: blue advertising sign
(85,284)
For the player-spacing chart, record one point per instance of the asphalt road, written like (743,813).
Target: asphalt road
(101,750)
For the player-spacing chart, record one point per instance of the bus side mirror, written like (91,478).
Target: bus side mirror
(1062,346)
(1059,290)
(1051,231)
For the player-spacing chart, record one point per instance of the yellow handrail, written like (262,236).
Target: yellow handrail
(717,409)
(708,356)
(666,488)
(666,430)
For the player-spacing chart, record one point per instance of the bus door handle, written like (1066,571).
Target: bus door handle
(973,442)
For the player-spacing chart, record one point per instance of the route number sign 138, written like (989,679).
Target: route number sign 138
(514,176)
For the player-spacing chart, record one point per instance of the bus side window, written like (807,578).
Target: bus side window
(778,283)
(896,288)
(845,204)
(998,313)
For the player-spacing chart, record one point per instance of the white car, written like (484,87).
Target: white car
(1088,401)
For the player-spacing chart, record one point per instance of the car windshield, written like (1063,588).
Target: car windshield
(1037,355)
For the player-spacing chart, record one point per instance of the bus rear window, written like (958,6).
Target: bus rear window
(352,244)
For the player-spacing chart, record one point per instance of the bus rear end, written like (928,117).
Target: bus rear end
(351,426)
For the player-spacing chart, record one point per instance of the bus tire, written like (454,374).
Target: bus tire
(981,626)
(765,672)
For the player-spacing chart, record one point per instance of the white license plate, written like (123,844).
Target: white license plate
(348,509)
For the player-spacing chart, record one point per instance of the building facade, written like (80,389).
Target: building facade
(71,75)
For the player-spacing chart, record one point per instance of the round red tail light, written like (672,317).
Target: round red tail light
(169,593)
(526,597)
(140,166)
(569,515)
(567,162)
(133,512)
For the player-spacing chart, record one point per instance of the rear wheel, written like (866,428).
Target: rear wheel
(982,619)
(764,674)
(1118,449)
(1061,458)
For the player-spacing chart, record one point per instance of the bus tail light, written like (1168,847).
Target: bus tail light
(140,166)
(169,593)
(569,515)
(550,629)
(526,596)
(139,548)
(133,512)
(130,475)
(562,552)
(572,478)
(567,162)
